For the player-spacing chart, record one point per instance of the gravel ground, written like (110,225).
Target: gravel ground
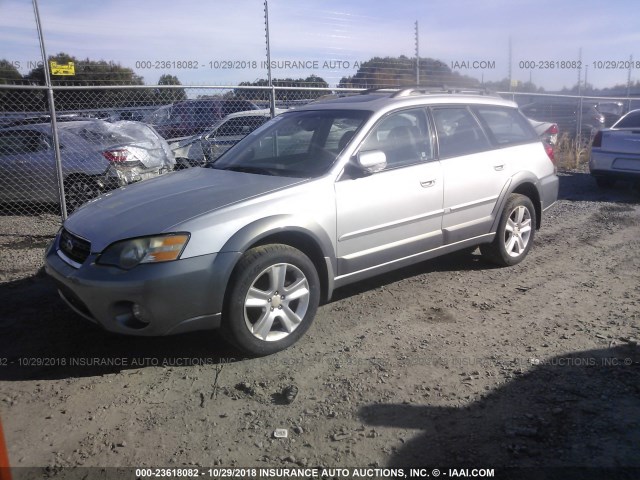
(448,363)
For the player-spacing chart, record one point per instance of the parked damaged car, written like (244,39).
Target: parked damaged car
(96,156)
(568,116)
(199,150)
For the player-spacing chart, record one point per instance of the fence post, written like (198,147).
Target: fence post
(272,100)
(52,113)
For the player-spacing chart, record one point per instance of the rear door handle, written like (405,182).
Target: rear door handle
(428,183)
(498,168)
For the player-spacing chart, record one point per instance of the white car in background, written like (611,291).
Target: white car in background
(201,149)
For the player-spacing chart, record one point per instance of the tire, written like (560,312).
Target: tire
(79,190)
(515,233)
(273,298)
(605,182)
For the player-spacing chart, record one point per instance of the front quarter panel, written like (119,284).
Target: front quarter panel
(309,207)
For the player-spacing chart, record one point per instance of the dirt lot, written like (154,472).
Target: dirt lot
(449,363)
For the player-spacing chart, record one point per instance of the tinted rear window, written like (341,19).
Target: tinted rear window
(505,125)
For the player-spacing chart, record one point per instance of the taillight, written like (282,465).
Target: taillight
(552,130)
(597,139)
(116,156)
(550,153)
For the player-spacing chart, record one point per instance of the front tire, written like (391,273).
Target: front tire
(515,233)
(274,297)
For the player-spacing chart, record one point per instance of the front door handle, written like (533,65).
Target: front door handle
(428,183)
(498,168)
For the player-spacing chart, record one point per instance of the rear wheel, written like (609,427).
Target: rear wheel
(274,296)
(515,233)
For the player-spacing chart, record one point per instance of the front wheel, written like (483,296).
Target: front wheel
(515,233)
(274,296)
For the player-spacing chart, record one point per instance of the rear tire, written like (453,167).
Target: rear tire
(515,233)
(273,299)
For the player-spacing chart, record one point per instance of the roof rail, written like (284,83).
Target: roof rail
(406,92)
(379,90)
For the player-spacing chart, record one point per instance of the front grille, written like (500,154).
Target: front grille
(73,247)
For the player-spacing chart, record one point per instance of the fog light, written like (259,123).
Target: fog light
(140,314)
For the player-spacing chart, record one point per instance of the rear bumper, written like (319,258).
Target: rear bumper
(549,187)
(614,165)
(173,297)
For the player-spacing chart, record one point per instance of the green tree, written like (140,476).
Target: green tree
(172,95)
(14,100)
(380,72)
(9,74)
(312,81)
(94,73)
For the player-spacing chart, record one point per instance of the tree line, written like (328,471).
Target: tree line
(378,72)
(88,73)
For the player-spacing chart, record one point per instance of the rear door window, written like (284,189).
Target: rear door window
(458,132)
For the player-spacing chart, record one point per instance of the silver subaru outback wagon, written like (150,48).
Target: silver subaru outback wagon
(317,198)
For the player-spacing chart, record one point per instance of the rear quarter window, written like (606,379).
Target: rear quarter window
(505,126)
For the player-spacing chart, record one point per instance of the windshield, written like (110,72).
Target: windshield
(296,144)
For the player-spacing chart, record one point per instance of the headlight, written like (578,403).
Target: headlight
(129,253)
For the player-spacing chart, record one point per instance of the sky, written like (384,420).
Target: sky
(223,43)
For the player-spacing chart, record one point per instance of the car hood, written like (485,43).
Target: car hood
(155,206)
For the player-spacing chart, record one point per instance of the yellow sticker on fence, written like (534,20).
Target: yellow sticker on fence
(68,69)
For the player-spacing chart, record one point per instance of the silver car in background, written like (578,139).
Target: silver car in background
(319,197)
(200,149)
(97,156)
(615,152)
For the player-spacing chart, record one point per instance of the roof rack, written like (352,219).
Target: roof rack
(379,90)
(333,96)
(406,92)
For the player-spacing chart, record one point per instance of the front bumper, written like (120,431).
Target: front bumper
(172,297)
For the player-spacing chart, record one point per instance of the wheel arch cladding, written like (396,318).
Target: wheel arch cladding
(308,237)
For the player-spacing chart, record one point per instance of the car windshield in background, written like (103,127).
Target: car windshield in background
(296,144)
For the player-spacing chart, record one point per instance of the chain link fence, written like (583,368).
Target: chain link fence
(109,137)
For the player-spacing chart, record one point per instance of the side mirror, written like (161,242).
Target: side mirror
(372,161)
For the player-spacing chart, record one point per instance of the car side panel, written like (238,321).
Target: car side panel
(472,186)
(388,215)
